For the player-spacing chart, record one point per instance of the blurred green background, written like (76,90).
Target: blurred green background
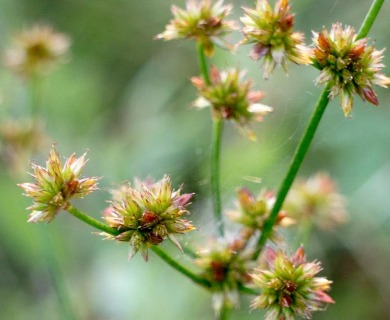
(125,97)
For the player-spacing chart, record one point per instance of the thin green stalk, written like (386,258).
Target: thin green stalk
(92,222)
(216,149)
(49,251)
(54,269)
(224,312)
(203,64)
(157,250)
(35,91)
(179,267)
(299,155)
(370,18)
(215,173)
(247,290)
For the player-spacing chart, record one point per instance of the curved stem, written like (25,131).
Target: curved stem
(247,290)
(157,250)
(299,155)
(91,221)
(179,267)
(216,149)
(370,18)
(215,173)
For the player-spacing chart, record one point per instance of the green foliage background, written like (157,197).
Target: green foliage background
(125,97)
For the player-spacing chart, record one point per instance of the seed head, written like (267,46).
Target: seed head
(351,66)
(202,21)
(229,97)
(289,286)
(317,199)
(271,31)
(19,139)
(36,50)
(55,185)
(252,212)
(148,213)
(225,268)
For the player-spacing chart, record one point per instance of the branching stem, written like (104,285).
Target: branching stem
(157,250)
(179,267)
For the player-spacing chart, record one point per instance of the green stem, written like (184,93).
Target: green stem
(92,222)
(247,290)
(157,250)
(299,155)
(179,267)
(370,18)
(224,312)
(216,149)
(49,251)
(215,173)
(203,64)
(35,92)
(308,137)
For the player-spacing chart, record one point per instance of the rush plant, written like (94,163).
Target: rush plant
(256,261)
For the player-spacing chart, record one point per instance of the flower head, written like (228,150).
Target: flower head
(252,212)
(55,185)
(225,268)
(317,199)
(271,31)
(36,50)
(147,213)
(229,97)
(349,65)
(289,286)
(19,139)
(203,21)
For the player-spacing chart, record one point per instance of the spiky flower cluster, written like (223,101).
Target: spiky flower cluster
(272,33)
(225,267)
(147,213)
(229,97)
(316,200)
(19,139)
(289,286)
(55,185)
(349,65)
(252,212)
(36,50)
(203,21)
